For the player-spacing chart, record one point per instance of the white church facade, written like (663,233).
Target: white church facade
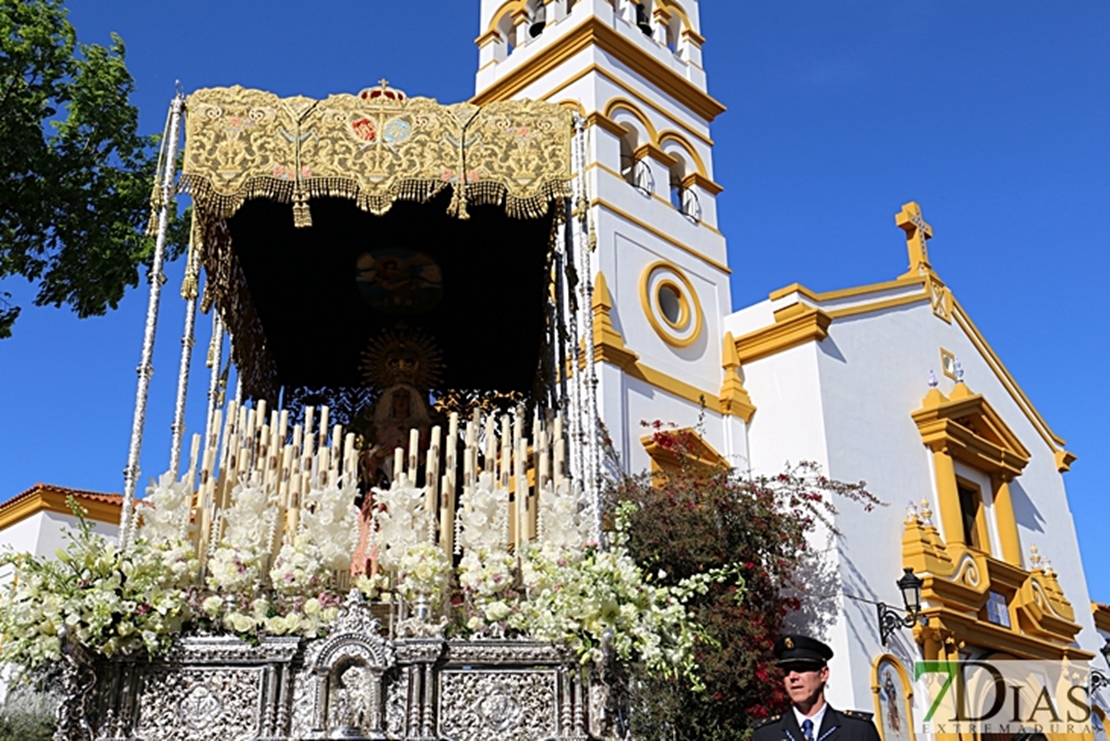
(890,383)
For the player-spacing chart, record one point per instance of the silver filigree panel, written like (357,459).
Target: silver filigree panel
(478,705)
(184,704)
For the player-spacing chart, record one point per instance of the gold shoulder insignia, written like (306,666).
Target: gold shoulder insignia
(766,721)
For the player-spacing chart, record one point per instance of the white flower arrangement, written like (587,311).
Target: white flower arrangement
(164,512)
(600,600)
(486,579)
(401,531)
(561,524)
(423,572)
(325,539)
(109,601)
(248,529)
(400,521)
(484,516)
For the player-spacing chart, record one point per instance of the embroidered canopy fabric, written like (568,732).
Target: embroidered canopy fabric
(344,163)
(376,147)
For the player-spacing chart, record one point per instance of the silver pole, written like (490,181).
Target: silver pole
(215,360)
(581,331)
(146,366)
(590,418)
(189,293)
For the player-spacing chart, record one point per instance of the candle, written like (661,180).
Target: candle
(336,444)
(520,469)
(490,462)
(560,461)
(350,461)
(398,463)
(308,415)
(470,460)
(323,426)
(286,475)
(431,488)
(322,466)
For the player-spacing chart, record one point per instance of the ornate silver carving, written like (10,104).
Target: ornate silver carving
(354,683)
(343,673)
(483,704)
(505,652)
(198,704)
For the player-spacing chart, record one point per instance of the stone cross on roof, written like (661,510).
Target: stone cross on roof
(918,232)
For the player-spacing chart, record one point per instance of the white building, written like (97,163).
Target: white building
(889,383)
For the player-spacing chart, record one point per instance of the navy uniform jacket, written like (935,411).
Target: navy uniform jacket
(835,726)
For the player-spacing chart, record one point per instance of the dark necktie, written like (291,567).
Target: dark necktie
(807,729)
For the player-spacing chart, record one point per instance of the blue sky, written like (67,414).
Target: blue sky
(994,115)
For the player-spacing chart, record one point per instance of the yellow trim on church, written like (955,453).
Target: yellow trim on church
(929,288)
(699,455)
(958,582)
(593,32)
(609,347)
(805,325)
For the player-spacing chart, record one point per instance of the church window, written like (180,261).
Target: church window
(998,609)
(972,516)
(628,157)
(670,301)
(677,173)
(963,429)
(634,170)
(671,305)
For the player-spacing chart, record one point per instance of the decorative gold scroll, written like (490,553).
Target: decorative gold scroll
(374,148)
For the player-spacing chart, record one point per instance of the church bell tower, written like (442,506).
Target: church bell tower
(633,71)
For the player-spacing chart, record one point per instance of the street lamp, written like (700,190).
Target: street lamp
(891,619)
(1098,679)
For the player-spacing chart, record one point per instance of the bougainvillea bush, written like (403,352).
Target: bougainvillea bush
(694,518)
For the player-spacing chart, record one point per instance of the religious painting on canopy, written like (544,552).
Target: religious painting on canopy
(399,281)
(893,695)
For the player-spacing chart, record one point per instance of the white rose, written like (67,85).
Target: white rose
(212,606)
(239,622)
(497,611)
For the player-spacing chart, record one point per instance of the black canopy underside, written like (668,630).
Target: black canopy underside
(489,323)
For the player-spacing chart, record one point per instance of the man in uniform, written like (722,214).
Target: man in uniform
(810,718)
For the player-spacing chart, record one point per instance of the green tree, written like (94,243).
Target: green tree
(75,175)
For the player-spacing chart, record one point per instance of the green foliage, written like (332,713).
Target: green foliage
(698,519)
(75,175)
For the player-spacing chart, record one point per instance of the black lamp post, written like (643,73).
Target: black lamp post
(891,619)
(1098,679)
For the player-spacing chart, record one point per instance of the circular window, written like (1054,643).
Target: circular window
(670,301)
(671,304)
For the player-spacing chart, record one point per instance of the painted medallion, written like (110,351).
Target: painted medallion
(399,281)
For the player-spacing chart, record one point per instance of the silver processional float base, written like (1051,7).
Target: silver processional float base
(353,684)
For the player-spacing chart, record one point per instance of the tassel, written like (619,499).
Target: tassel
(457,206)
(302,216)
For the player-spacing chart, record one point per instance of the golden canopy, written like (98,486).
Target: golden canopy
(250,153)
(375,148)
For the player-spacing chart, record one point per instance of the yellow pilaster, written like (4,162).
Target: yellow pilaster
(948,497)
(734,397)
(1007,523)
